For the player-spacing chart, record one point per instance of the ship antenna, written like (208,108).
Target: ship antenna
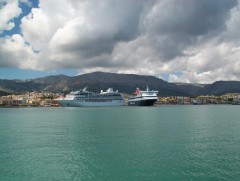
(85,88)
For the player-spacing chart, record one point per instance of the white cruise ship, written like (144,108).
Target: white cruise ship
(83,98)
(143,98)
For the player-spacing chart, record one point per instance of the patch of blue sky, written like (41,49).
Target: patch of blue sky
(15,73)
(26,9)
(177,73)
(165,76)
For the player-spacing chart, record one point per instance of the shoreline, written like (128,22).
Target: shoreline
(156,105)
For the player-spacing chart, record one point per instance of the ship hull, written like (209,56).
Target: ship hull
(74,103)
(141,102)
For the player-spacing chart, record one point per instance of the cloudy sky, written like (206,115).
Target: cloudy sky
(195,41)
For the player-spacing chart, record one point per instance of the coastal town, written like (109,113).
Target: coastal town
(47,99)
(30,99)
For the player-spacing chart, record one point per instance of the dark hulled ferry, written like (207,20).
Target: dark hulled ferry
(143,98)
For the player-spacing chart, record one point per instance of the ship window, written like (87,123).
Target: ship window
(83,93)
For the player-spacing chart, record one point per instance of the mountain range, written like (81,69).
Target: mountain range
(124,83)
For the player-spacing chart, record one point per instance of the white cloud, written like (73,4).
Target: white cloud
(8,11)
(15,52)
(199,39)
(208,62)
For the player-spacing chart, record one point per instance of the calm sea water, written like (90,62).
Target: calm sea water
(123,143)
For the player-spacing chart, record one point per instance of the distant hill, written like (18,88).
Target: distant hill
(221,87)
(125,83)
(3,93)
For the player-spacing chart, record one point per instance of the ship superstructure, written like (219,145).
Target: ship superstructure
(143,98)
(83,98)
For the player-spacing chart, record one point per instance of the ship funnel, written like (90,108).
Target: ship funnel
(110,90)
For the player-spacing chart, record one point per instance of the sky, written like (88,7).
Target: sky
(191,41)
